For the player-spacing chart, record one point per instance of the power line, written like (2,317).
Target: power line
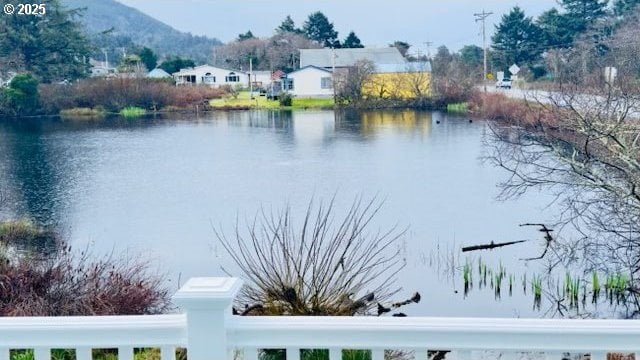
(482,17)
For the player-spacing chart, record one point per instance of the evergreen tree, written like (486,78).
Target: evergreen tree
(318,28)
(148,58)
(623,7)
(246,36)
(288,25)
(175,64)
(402,46)
(472,56)
(52,47)
(517,40)
(580,14)
(21,97)
(555,32)
(352,41)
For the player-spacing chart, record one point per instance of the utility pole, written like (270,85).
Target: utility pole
(428,43)
(482,17)
(333,71)
(251,78)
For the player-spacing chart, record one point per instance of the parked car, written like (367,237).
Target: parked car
(503,84)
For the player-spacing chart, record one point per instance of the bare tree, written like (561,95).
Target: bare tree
(417,80)
(583,144)
(349,83)
(284,50)
(321,266)
(236,55)
(281,51)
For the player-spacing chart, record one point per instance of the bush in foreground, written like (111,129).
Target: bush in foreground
(65,283)
(326,266)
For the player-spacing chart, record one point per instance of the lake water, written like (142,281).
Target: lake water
(156,187)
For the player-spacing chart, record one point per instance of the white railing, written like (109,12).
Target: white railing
(209,332)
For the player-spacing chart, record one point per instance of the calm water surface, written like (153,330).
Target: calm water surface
(156,188)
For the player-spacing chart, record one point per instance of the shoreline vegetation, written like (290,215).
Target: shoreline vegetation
(97,99)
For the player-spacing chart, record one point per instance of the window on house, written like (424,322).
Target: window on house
(232,77)
(288,84)
(208,78)
(326,83)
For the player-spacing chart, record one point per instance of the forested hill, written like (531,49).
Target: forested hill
(130,25)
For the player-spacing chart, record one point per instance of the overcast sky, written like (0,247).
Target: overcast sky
(376,22)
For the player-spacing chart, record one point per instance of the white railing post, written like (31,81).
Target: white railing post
(207,305)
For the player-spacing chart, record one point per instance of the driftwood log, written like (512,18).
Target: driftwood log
(491,245)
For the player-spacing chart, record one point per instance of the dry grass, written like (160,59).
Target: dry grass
(512,111)
(24,233)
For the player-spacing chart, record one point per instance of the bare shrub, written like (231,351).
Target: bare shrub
(323,266)
(348,83)
(584,149)
(116,94)
(512,111)
(66,284)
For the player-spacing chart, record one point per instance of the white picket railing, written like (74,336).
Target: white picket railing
(209,332)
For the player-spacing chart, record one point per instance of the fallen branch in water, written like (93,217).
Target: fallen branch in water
(547,237)
(492,245)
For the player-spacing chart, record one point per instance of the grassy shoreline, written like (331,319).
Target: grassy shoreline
(243,101)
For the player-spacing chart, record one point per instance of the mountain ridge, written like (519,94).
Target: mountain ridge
(141,29)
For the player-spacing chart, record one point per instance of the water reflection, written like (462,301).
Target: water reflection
(156,185)
(35,174)
(368,123)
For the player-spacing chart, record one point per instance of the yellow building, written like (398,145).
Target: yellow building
(399,81)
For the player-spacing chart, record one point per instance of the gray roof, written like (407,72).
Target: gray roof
(348,57)
(310,67)
(402,68)
(158,73)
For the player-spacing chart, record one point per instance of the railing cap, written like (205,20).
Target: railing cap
(207,291)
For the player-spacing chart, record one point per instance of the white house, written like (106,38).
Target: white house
(309,81)
(101,69)
(211,76)
(261,79)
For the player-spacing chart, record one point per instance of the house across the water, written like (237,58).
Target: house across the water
(399,81)
(102,69)
(347,58)
(211,76)
(309,81)
(392,75)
